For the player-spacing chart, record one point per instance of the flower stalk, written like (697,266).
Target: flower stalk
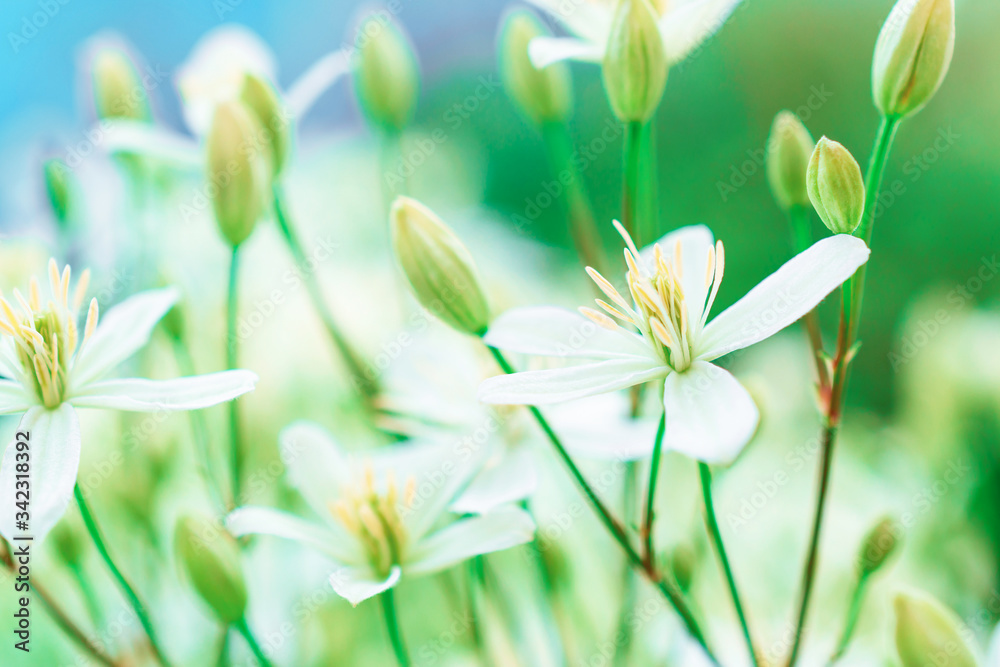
(654,473)
(244,629)
(634,139)
(232,352)
(392,627)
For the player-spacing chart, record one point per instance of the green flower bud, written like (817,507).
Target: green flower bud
(544,95)
(789,147)
(386,76)
(879,544)
(118,91)
(835,187)
(260,97)
(438,266)
(928,633)
(59,187)
(211,559)
(238,169)
(635,63)
(912,55)
(70,545)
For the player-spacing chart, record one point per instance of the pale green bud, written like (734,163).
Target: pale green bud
(544,95)
(879,544)
(789,148)
(912,55)
(386,75)
(118,91)
(260,97)
(238,170)
(438,266)
(59,187)
(928,633)
(835,186)
(635,63)
(211,558)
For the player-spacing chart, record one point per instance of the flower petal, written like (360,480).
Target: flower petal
(357,584)
(710,416)
(545,51)
(501,529)
(252,520)
(120,333)
(565,384)
(509,478)
(54,458)
(15,398)
(557,332)
(783,297)
(187,393)
(601,427)
(589,20)
(317,465)
(690,24)
(130,136)
(316,80)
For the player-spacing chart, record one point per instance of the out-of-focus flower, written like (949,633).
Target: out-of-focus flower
(543,94)
(386,75)
(684,25)
(835,186)
(635,62)
(381,512)
(51,370)
(928,633)
(673,285)
(211,558)
(789,148)
(912,55)
(260,97)
(118,91)
(880,543)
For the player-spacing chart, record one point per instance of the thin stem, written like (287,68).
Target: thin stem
(650,214)
(360,375)
(668,589)
(799,218)
(392,626)
(630,181)
(654,473)
(89,598)
(140,611)
(258,652)
(473,579)
(713,529)
(232,350)
(629,588)
(582,227)
(853,613)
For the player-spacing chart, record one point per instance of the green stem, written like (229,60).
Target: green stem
(799,218)
(89,598)
(650,177)
(666,588)
(360,374)
(258,652)
(232,350)
(473,579)
(654,473)
(630,182)
(629,588)
(853,612)
(713,528)
(123,584)
(392,626)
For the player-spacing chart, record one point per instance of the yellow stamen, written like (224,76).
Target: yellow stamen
(599,318)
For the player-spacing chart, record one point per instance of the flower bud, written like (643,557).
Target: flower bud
(386,77)
(879,544)
(912,55)
(788,150)
(835,186)
(262,99)
(59,187)
(543,95)
(118,92)
(635,63)
(928,633)
(438,266)
(238,171)
(211,559)
(69,544)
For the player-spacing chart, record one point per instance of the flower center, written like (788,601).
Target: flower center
(374,516)
(45,334)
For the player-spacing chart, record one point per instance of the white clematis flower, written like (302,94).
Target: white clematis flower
(381,512)
(684,24)
(49,370)
(673,284)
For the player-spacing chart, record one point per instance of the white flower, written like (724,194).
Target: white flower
(673,284)
(50,370)
(380,512)
(684,25)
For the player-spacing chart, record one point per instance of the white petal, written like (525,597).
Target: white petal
(589,20)
(690,24)
(565,384)
(784,296)
(316,464)
(357,584)
(545,51)
(15,398)
(710,416)
(120,333)
(54,458)
(129,136)
(601,427)
(501,529)
(557,332)
(695,242)
(10,365)
(266,521)
(188,393)
(316,80)
(509,478)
